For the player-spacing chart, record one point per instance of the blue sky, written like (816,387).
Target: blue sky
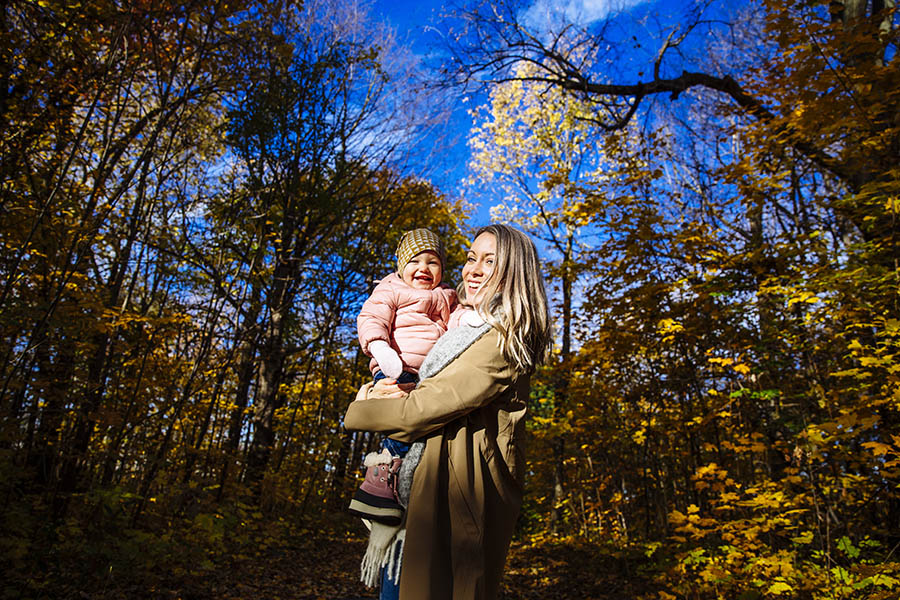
(414,20)
(412,16)
(414,23)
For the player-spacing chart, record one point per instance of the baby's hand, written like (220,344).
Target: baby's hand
(387,358)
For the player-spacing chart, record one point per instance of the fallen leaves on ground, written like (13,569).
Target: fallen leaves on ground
(325,566)
(328,567)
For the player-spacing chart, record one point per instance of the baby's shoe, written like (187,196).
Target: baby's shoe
(376,499)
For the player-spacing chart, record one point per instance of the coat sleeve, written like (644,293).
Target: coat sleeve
(472,380)
(376,319)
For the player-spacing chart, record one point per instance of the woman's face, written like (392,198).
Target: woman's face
(479,266)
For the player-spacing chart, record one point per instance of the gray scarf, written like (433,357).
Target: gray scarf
(385,548)
(445,350)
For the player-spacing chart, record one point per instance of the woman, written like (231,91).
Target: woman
(467,489)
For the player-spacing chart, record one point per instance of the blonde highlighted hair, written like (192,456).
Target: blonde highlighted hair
(515,299)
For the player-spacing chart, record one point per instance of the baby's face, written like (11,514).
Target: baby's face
(423,271)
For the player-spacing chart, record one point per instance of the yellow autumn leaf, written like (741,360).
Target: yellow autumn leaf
(779,587)
(877,448)
(669,326)
(742,369)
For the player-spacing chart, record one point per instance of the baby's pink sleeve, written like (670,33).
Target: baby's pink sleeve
(456,315)
(449,303)
(376,319)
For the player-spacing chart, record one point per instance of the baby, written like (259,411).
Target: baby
(408,310)
(399,323)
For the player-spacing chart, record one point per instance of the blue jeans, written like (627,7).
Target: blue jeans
(405,377)
(390,589)
(393,446)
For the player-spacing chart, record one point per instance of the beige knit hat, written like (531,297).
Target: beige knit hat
(416,241)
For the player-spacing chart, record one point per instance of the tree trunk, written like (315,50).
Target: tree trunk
(557,444)
(271,368)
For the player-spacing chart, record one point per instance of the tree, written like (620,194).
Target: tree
(303,132)
(849,44)
(195,200)
(94,138)
(730,391)
(535,153)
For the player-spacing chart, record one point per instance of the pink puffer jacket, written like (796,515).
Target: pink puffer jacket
(408,319)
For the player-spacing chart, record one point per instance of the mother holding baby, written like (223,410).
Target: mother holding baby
(468,411)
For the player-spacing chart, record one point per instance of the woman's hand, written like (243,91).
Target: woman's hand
(384,388)
(361,394)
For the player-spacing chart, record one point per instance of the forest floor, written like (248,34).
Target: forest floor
(328,568)
(270,559)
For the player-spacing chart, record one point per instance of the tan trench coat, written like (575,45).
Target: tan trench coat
(467,489)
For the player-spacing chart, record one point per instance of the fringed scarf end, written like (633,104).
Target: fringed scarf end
(381,552)
(395,556)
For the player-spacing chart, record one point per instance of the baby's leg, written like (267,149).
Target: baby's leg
(376,498)
(397,449)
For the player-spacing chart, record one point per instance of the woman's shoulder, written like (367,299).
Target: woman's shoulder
(487,346)
(477,346)
(483,356)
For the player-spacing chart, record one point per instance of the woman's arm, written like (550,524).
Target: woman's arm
(475,378)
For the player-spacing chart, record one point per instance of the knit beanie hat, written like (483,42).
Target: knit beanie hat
(416,241)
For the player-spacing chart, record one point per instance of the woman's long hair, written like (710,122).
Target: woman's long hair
(516,301)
